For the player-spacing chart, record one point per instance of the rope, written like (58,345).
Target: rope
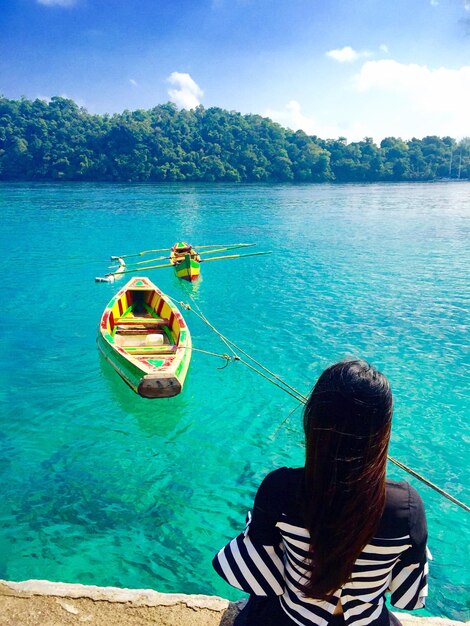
(227,357)
(295,394)
(284,386)
(429,483)
(206,321)
(276,384)
(286,418)
(221,356)
(300,397)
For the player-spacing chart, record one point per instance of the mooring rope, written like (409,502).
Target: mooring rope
(428,483)
(302,399)
(229,343)
(227,357)
(205,320)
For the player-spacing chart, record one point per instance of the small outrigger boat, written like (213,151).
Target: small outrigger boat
(145,338)
(183,257)
(186,261)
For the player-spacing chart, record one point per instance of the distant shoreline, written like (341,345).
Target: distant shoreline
(59,141)
(203,183)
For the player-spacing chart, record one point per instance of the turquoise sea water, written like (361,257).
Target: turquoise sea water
(102,487)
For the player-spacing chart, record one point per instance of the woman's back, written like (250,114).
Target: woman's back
(269,558)
(334,536)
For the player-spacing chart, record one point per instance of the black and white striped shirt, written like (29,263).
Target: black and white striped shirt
(268,559)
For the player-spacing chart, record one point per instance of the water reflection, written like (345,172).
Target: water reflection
(155,417)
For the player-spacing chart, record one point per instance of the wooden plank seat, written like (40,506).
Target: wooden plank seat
(148,350)
(141,321)
(138,330)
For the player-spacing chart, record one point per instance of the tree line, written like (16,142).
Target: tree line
(58,140)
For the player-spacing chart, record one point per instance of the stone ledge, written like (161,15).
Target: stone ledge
(138,597)
(45,603)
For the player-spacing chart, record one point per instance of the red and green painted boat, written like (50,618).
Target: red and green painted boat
(145,338)
(186,261)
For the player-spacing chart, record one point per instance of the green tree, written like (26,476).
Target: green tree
(57,140)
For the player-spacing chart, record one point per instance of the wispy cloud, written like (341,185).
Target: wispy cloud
(58,3)
(347,54)
(466,5)
(187,94)
(383,48)
(133,82)
(434,3)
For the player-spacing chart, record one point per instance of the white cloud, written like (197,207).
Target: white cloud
(347,54)
(133,82)
(434,3)
(58,3)
(383,48)
(292,117)
(435,100)
(387,98)
(187,93)
(78,101)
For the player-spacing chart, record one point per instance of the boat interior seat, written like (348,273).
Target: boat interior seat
(141,321)
(145,338)
(151,350)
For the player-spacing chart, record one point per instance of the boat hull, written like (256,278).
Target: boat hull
(150,353)
(159,386)
(188,269)
(186,261)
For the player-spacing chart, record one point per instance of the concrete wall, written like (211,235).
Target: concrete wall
(44,603)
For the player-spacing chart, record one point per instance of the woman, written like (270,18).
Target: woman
(326,542)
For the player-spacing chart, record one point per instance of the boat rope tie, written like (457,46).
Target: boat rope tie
(301,398)
(227,357)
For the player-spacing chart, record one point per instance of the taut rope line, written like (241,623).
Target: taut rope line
(231,345)
(276,380)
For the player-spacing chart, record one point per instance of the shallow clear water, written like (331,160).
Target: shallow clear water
(102,487)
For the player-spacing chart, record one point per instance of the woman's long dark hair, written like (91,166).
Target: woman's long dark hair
(347,422)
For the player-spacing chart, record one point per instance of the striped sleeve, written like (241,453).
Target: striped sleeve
(409,581)
(253,561)
(252,567)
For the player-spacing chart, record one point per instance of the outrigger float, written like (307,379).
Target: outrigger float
(145,338)
(117,273)
(184,258)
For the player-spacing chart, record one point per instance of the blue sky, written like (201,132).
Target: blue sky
(350,68)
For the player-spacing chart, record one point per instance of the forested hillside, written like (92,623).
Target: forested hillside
(58,140)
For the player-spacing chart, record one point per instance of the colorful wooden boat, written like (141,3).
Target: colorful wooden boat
(186,261)
(145,338)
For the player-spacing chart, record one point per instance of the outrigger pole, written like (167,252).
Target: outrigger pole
(142,269)
(233,256)
(162,258)
(217,258)
(235,245)
(220,245)
(128,256)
